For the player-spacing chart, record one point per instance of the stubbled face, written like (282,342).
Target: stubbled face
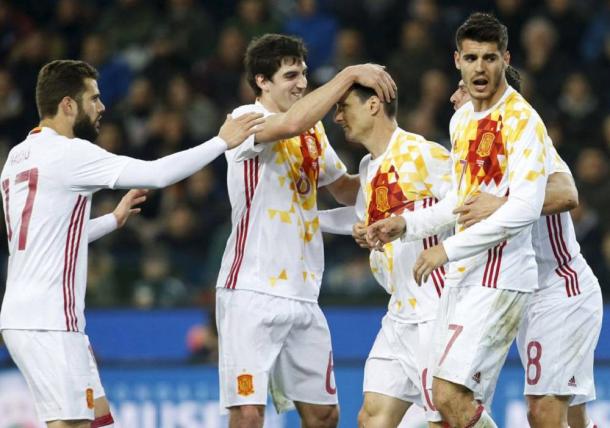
(286,86)
(460,96)
(90,110)
(482,66)
(354,117)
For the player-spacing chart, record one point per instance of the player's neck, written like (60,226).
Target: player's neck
(482,105)
(379,138)
(59,126)
(270,104)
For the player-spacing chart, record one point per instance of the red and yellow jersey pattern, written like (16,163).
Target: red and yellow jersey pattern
(411,174)
(275,245)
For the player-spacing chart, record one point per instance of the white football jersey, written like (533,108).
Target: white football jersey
(47,183)
(275,246)
(560,263)
(502,151)
(411,174)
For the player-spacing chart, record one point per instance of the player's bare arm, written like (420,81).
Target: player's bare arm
(235,131)
(311,108)
(384,231)
(359,234)
(560,196)
(427,261)
(345,189)
(129,206)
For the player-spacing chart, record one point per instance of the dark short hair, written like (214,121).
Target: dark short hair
(513,78)
(364,93)
(482,27)
(265,54)
(59,79)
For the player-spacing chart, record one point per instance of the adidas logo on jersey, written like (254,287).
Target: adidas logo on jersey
(477,377)
(572,381)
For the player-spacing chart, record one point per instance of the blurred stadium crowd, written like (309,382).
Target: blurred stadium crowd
(171,69)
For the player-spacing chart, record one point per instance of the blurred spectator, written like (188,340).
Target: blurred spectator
(350,49)
(220,75)
(135,112)
(513,14)
(128,23)
(419,54)
(253,19)
(164,61)
(565,16)
(11,110)
(71,23)
(542,61)
(578,110)
(158,287)
(193,32)
(318,30)
(592,179)
(597,33)
(199,111)
(13,26)
(115,75)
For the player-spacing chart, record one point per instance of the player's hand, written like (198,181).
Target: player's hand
(235,131)
(359,235)
(128,205)
(375,77)
(427,261)
(477,208)
(384,231)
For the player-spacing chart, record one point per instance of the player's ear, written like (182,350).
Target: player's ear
(506,57)
(262,82)
(456,59)
(374,104)
(68,106)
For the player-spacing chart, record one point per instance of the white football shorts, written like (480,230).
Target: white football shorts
(397,365)
(60,371)
(557,340)
(272,343)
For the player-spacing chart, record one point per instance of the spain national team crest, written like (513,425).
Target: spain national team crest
(245,384)
(484,147)
(90,400)
(381,196)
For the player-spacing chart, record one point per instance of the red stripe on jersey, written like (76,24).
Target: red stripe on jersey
(490,258)
(81,222)
(250,183)
(497,272)
(67,258)
(562,255)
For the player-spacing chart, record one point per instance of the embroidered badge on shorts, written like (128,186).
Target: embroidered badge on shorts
(245,386)
(89,394)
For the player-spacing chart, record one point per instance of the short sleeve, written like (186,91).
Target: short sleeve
(87,167)
(331,167)
(558,164)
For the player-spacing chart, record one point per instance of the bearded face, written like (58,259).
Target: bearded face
(84,127)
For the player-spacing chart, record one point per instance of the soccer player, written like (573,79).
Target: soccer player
(402,172)
(499,145)
(556,355)
(272,333)
(47,184)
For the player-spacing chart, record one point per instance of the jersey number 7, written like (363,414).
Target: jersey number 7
(31,176)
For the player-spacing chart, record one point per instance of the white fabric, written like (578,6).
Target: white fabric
(169,169)
(275,246)
(338,221)
(511,153)
(47,271)
(557,340)
(473,332)
(398,361)
(101,226)
(278,344)
(410,175)
(60,372)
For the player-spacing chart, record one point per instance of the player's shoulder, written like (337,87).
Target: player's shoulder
(250,108)
(517,107)
(461,114)
(364,164)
